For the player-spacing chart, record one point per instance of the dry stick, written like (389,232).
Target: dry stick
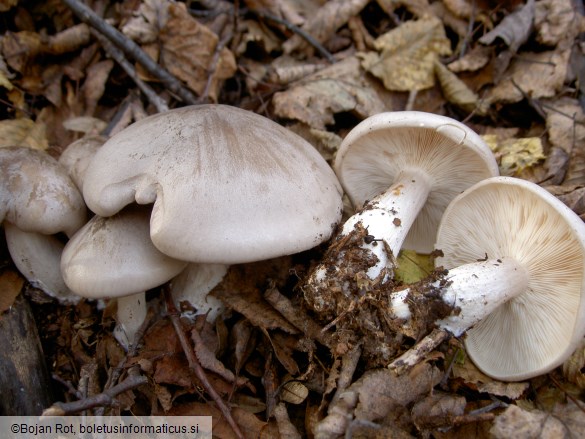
(115,53)
(417,353)
(106,398)
(131,49)
(306,36)
(194,363)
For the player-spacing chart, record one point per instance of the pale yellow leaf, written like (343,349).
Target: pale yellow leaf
(413,266)
(513,154)
(23,132)
(406,55)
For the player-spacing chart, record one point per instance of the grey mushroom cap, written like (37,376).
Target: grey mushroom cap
(228,186)
(37,195)
(77,156)
(447,152)
(114,257)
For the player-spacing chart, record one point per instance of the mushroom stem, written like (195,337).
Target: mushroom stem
(389,217)
(131,315)
(473,291)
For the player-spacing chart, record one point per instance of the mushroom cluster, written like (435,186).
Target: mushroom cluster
(513,255)
(223,186)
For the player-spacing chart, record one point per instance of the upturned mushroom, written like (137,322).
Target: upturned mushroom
(401,169)
(227,185)
(114,258)
(38,200)
(515,256)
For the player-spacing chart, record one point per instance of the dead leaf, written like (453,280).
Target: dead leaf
(413,267)
(475,59)
(323,24)
(406,55)
(514,29)
(456,91)
(437,410)
(518,423)
(95,84)
(10,285)
(251,426)
(537,75)
(572,196)
(574,367)
(515,154)
(336,89)
(555,21)
(146,21)
(473,377)
(565,122)
(285,427)
(188,49)
(23,132)
(5,5)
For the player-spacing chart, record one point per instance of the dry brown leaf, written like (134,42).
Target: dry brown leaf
(475,59)
(323,24)
(456,91)
(406,55)
(285,427)
(208,360)
(518,423)
(253,32)
(537,75)
(338,88)
(437,410)
(10,285)
(5,5)
(18,48)
(565,121)
(188,49)
(23,132)
(144,25)
(95,84)
(555,21)
(514,29)
(574,367)
(251,426)
(472,376)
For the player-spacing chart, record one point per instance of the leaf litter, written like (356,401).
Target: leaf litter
(283,368)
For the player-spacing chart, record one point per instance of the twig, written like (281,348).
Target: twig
(118,56)
(131,49)
(194,365)
(416,354)
(106,398)
(297,30)
(213,66)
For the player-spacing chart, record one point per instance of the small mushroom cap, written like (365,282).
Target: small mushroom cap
(77,156)
(374,153)
(37,195)
(507,217)
(114,257)
(228,186)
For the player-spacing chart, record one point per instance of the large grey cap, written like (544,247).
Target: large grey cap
(37,194)
(228,186)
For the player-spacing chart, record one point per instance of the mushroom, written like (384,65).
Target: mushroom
(409,165)
(516,281)
(114,258)
(77,156)
(228,186)
(37,201)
